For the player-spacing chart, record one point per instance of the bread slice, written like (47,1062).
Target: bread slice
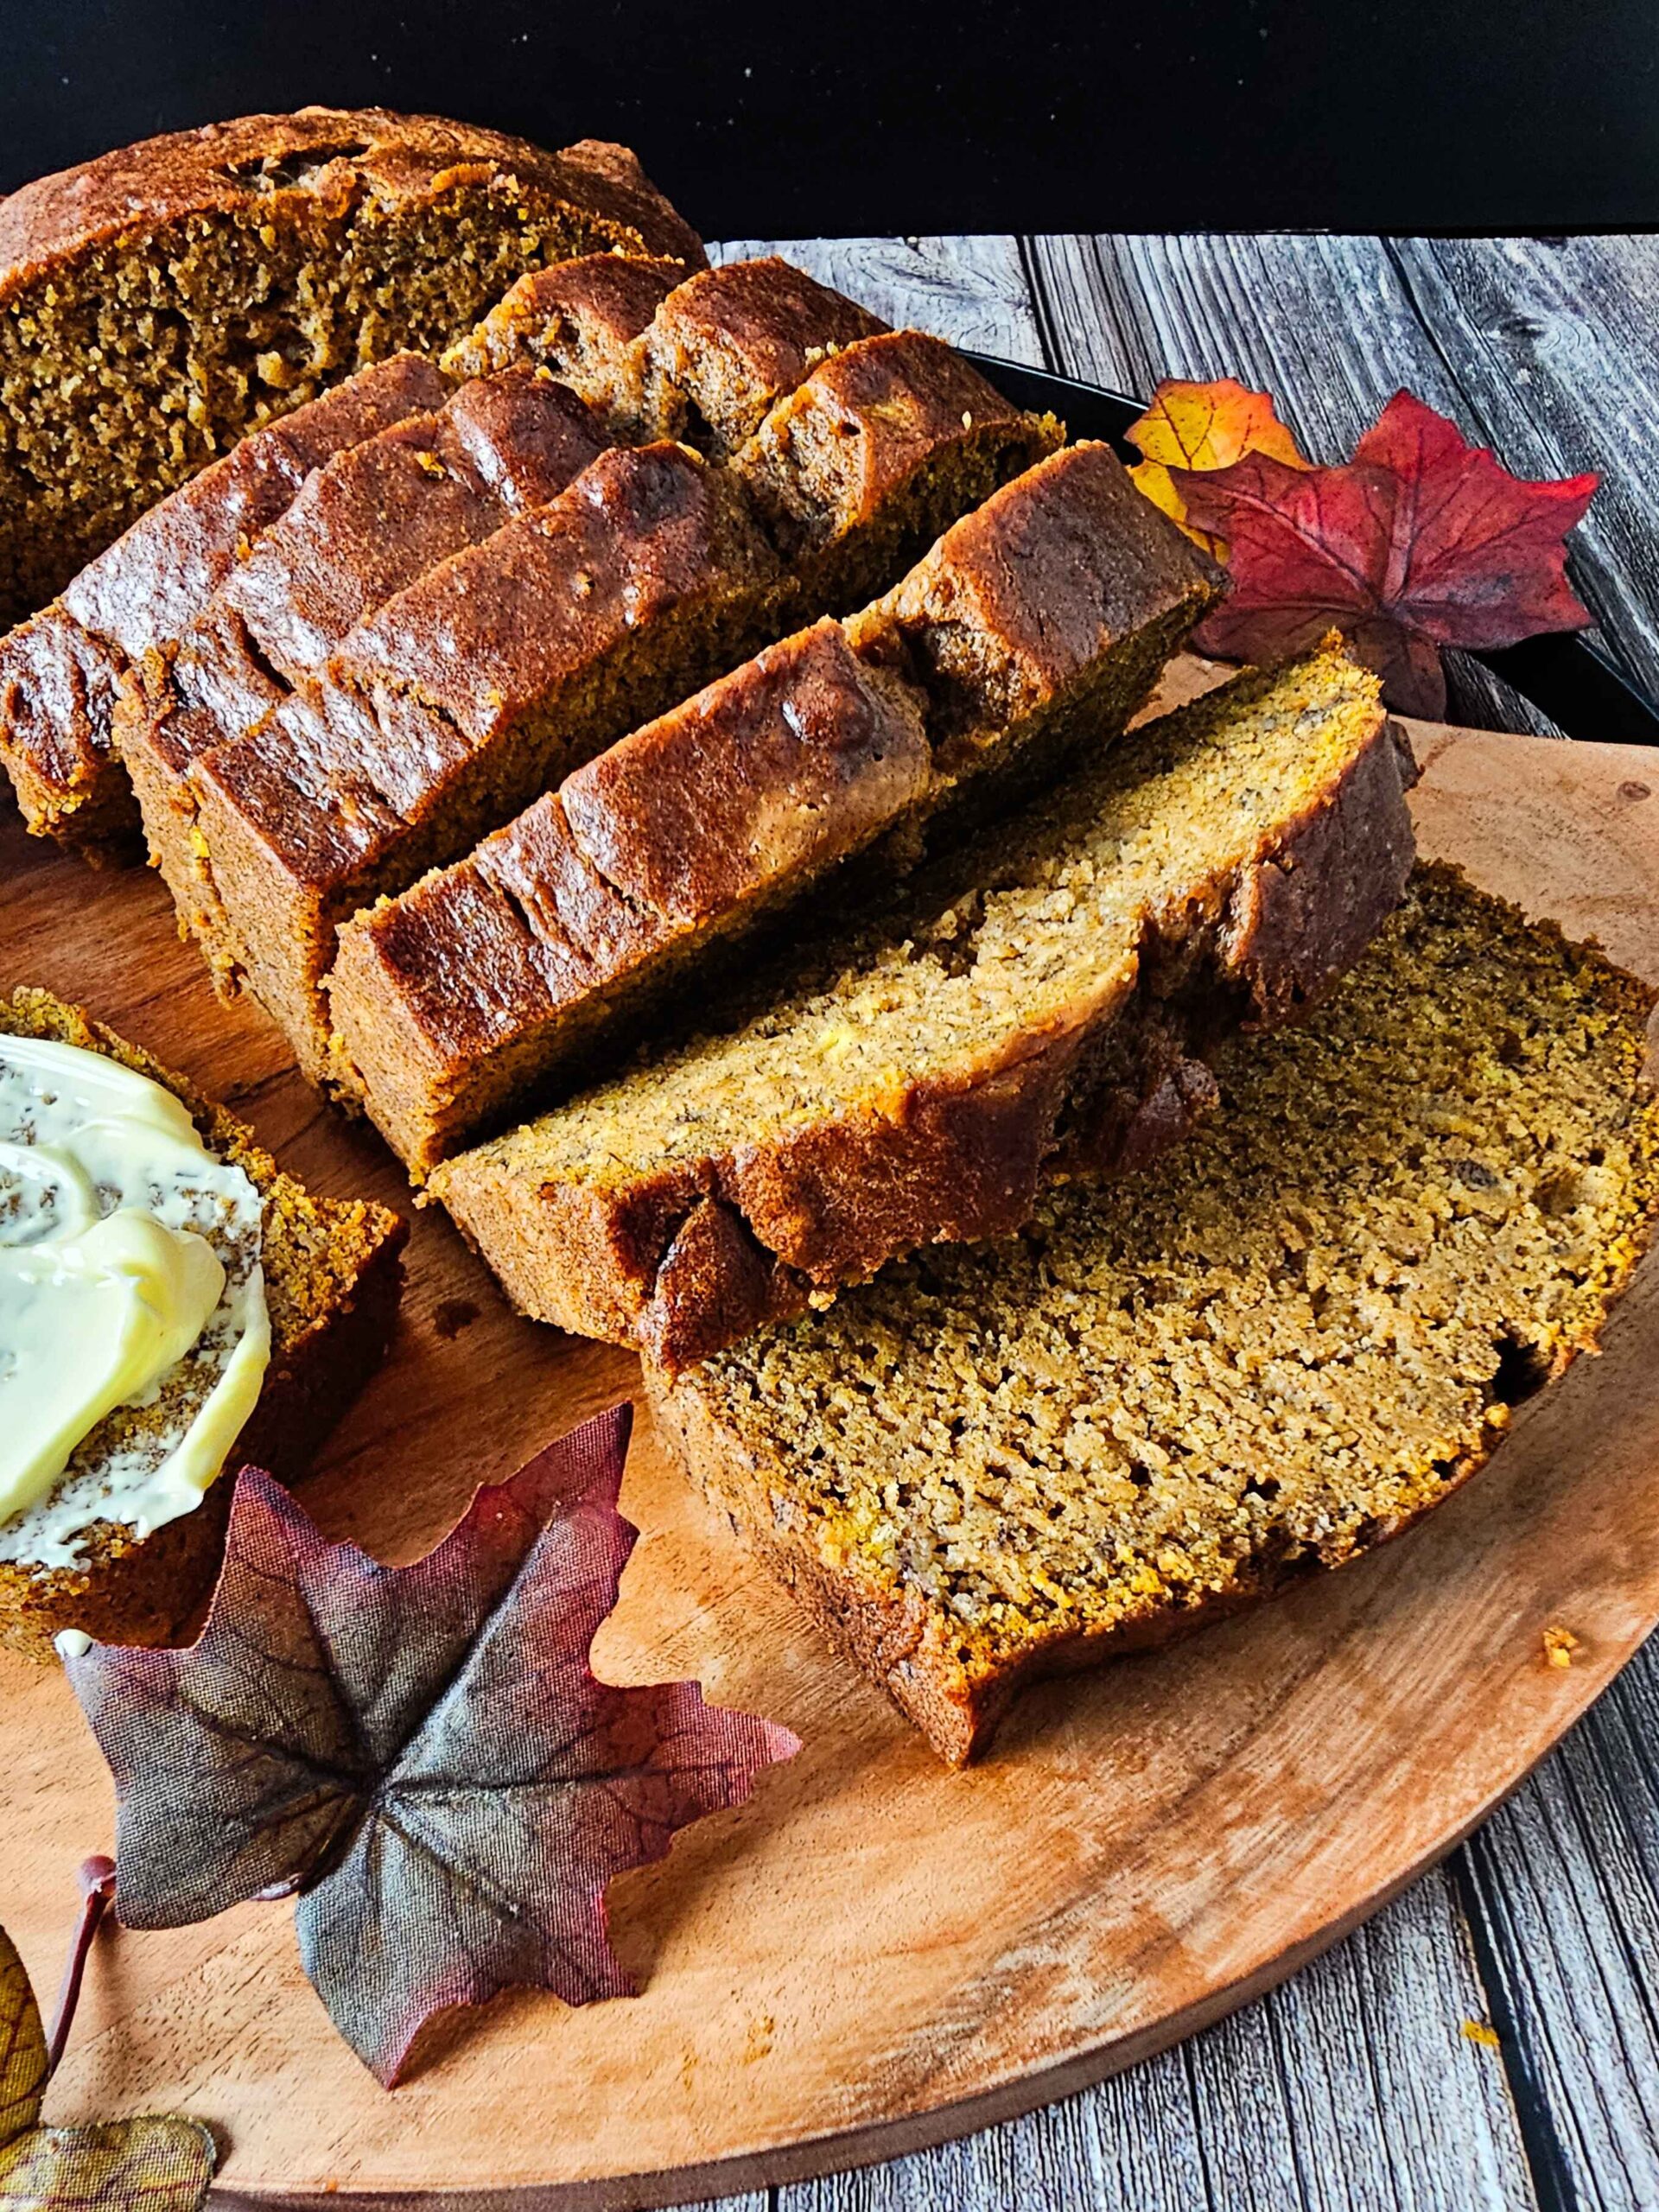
(159,302)
(61,672)
(647,577)
(1040,1001)
(331,1272)
(472,691)
(1061,598)
(1167,1398)
(578,321)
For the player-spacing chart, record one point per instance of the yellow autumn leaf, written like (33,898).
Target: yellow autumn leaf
(158,2162)
(22,2046)
(1204,426)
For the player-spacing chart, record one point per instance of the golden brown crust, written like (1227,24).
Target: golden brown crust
(335,154)
(334,1272)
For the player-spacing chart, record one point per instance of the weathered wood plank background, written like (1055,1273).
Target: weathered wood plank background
(1359,2085)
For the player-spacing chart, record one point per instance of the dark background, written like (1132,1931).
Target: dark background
(1423,115)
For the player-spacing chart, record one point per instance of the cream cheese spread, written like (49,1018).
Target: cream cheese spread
(134,1337)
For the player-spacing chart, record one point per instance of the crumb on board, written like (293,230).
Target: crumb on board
(1560,1645)
(1482,2032)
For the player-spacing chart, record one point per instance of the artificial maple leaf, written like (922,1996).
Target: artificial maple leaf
(1204,426)
(1421,541)
(422,1752)
(159,2163)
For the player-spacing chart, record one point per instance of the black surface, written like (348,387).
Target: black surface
(1581,693)
(1421,115)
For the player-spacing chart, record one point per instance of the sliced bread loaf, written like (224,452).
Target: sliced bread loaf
(472,691)
(1061,598)
(159,302)
(1166,1400)
(331,1276)
(1033,1002)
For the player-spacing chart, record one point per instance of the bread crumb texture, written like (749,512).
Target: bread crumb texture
(1299,1332)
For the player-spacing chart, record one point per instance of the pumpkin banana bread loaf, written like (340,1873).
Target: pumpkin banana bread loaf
(61,672)
(1166,1399)
(1055,605)
(118,1544)
(1035,1001)
(159,302)
(470,692)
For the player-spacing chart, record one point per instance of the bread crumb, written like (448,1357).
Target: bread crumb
(1560,1645)
(1479,2031)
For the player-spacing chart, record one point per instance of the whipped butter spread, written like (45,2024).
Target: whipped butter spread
(134,1337)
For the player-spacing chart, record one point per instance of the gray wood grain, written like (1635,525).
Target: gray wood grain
(1554,344)
(1564,1887)
(1355,2086)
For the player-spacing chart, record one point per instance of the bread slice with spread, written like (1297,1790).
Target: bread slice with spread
(171,1306)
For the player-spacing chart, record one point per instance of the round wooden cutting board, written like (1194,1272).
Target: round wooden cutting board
(875,1952)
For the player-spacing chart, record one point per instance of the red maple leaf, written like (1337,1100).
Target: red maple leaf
(422,1752)
(1421,541)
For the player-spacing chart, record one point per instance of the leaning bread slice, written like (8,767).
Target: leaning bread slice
(1038,1001)
(578,321)
(1061,598)
(1166,1398)
(121,1544)
(157,303)
(573,621)
(61,672)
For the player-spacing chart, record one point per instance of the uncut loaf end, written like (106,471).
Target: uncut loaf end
(1040,1001)
(158,302)
(1164,1401)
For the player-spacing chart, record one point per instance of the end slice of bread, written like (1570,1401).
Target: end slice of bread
(333,1273)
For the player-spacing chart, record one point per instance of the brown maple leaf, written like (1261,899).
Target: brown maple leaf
(422,1752)
(1421,541)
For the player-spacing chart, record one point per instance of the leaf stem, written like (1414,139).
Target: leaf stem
(97,1880)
